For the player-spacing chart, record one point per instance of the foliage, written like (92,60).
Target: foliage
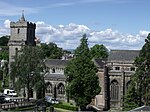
(4,40)
(52,51)
(99,51)
(67,107)
(83,84)
(4,54)
(131,98)
(141,77)
(28,68)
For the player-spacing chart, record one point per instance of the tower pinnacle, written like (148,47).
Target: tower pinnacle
(22,17)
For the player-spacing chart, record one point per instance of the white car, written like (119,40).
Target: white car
(10,92)
(51,100)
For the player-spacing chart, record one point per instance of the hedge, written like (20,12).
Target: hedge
(67,107)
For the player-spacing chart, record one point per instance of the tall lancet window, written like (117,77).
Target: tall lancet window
(114,90)
(61,89)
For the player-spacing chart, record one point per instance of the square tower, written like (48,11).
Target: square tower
(22,33)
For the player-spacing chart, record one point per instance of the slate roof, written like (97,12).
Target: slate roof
(141,109)
(55,76)
(123,55)
(56,62)
(99,62)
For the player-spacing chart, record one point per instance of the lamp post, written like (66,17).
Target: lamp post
(3,66)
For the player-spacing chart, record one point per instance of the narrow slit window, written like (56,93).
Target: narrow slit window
(18,31)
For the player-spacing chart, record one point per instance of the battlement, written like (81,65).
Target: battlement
(22,24)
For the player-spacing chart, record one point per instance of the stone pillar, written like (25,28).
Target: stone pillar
(106,88)
(122,89)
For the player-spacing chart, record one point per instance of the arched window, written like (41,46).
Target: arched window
(61,89)
(53,70)
(128,84)
(49,88)
(114,90)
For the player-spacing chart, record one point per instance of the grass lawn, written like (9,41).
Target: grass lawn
(61,110)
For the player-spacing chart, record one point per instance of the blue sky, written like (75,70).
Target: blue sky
(118,24)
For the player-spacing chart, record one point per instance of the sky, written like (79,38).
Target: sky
(117,24)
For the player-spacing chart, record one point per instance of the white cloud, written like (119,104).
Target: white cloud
(7,23)
(68,36)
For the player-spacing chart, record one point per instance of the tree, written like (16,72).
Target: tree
(4,52)
(4,40)
(99,51)
(131,99)
(83,84)
(26,71)
(4,47)
(141,78)
(52,51)
(142,75)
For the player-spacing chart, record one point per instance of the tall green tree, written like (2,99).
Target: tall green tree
(99,51)
(83,84)
(26,71)
(131,99)
(52,51)
(142,75)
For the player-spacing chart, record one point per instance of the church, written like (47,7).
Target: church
(114,73)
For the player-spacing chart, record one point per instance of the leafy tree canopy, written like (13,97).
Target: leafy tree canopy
(99,51)
(52,51)
(28,68)
(4,40)
(4,52)
(141,78)
(83,84)
(131,98)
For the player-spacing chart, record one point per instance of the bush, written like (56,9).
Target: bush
(67,107)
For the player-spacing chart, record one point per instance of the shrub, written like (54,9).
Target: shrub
(67,107)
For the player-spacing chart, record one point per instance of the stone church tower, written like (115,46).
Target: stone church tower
(22,33)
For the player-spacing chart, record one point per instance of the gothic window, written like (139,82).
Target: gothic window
(61,89)
(132,68)
(114,90)
(128,84)
(117,68)
(49,88)
(53,70)
(18,31)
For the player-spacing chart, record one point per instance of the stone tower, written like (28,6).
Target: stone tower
(22,33)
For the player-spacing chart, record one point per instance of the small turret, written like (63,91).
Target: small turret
(22,19)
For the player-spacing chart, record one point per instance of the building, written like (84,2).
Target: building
(114,75)
(122,67)
(55,78)
(22,33)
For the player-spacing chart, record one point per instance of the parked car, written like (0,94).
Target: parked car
(51,100)
(4,99)
(7,99)
(10,92)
